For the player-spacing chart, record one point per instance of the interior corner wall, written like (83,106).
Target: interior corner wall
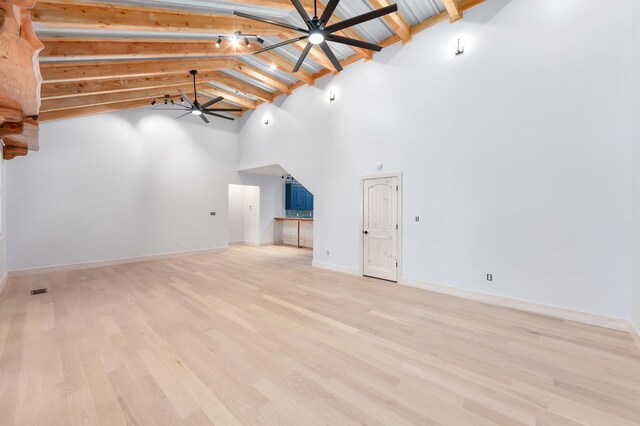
(516,155)
(635,290)
(122,185)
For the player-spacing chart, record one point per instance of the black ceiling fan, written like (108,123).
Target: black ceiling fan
(318,32)
(196,108)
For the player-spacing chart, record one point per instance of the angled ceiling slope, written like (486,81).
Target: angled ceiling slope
(102,57)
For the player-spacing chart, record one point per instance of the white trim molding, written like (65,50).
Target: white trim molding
(334,267)
(110,262)
(523,305)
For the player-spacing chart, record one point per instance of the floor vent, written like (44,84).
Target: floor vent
(38,291)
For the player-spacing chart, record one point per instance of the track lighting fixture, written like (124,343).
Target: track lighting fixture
(172,103)
(236,38)
(153,102)
(181,100)
(165,101)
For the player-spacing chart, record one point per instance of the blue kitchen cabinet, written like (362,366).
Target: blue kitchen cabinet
(297,197)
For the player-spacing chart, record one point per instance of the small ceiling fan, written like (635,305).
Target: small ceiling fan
(319,33)
(196,108)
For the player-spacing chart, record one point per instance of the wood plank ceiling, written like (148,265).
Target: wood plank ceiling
(102,57)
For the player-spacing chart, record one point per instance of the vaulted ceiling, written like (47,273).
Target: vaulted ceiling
(102,57)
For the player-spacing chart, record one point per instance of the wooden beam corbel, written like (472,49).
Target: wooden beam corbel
(19,138)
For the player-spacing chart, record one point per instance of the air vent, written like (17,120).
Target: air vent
(38,291)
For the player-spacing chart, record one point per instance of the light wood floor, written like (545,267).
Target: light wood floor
(256,336)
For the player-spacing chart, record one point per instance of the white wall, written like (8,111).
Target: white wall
(3,223)
(635,291)
(236,213)
(271,205)
(120,185)
(516,155)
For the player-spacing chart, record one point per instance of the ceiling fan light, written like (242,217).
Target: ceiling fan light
(316,37)
(196,112)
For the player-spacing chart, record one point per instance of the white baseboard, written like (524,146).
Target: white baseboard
(523,305)
(252,244)
(109,262)
(333,267)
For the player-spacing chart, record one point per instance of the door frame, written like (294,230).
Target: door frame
(361,208)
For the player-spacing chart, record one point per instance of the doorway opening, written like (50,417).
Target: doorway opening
(244,214)
(381,226)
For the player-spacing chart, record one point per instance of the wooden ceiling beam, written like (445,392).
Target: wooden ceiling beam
(83,48)
(90,110)
(166,82)
(117,17)
(104,70)
(286,66)
(267,79)
(241,86)
(454,9)
(49,105)
(395,20)
(232,97)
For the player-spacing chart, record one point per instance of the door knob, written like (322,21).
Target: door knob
(365,232)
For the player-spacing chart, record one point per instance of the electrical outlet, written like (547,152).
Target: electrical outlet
(417,218)
(489,277)
(327,252)
(212,213)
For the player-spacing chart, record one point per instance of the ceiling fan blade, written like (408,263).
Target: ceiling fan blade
(268,21)
(183,115)
(185,97)
(353,42)
(212,101)
(302,12)
(219,115)
(204,118)
(169,109)
(223,109)
(328,11)
(284,43)
(361,18)
(327,51)
(302,57)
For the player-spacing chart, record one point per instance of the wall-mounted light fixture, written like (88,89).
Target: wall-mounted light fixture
(332,95)
(460,49)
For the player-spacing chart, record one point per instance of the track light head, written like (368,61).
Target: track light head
(246,42)
(153,102)
(261,41)
(219,42)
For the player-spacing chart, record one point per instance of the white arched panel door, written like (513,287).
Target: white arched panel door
(380,228)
